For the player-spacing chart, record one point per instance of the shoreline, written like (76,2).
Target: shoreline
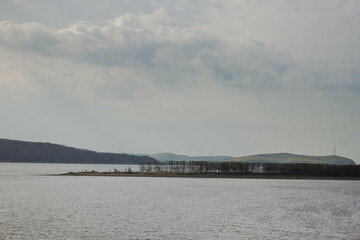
(205,175)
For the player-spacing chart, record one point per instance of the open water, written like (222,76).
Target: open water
(36,206)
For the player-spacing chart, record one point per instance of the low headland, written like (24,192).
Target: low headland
(206,175)
(198,169)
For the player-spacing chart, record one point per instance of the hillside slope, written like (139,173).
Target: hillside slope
(294,158)
(35,152)
(175,157)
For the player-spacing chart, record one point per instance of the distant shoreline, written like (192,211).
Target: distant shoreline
(204,175)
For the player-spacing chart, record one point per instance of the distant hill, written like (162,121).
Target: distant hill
(294,158)
(36,152)
(175,157)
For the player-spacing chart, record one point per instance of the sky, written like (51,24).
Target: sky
(232,77)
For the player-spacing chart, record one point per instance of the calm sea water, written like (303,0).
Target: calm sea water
(69,207)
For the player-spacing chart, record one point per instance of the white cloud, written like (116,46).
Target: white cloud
(130,32)
(150,42)
(167,53)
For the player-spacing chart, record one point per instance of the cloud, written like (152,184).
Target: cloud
(153,43)
(130,35)
(155,46)
(240,43)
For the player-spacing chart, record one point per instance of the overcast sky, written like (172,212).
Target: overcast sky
(192,77)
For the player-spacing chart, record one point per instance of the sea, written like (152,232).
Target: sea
(37,205)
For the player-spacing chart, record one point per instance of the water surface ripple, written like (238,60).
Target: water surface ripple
(71,207)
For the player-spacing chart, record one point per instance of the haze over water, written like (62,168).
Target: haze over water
(69,207)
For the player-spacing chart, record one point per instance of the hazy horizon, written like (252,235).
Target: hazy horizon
(181,154)
(198,78)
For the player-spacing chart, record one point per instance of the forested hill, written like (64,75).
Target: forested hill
(294,158)
(35,152)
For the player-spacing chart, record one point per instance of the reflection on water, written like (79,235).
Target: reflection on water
(73,207)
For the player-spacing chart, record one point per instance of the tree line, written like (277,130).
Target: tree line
(205,167)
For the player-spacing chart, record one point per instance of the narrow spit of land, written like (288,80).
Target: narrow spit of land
(205,175)
(198,169)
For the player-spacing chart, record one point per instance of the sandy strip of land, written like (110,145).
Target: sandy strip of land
(204,175)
